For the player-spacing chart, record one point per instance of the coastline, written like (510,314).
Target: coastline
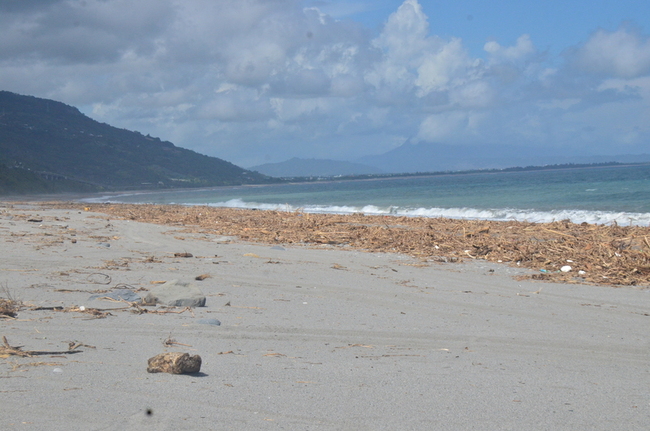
(318,329)
(616,196)
(596,254)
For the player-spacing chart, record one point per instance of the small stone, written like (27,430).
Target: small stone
(176,294)
(174,363)
(214,322)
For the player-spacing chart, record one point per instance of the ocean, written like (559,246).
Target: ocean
(597,195)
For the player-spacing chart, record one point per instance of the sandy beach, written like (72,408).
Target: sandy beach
(311,336)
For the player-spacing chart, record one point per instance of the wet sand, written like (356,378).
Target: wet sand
(318,336)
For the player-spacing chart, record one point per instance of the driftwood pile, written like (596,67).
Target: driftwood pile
(599,254)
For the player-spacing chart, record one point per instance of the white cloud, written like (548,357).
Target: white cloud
(244,105)
(441,127)
(444,68)
(346,86)
(640,86)
(402,42)
(292,110)
(250,80)
(405,33)
(415,63)
(79,32)
(474,94)
(522,49)
(622,53)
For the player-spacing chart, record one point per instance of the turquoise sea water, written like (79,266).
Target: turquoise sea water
(618,194)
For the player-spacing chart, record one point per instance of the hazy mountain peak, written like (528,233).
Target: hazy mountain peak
(297,167)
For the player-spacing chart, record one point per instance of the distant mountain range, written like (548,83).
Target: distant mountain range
(430,157)
(47,146)
(297,167)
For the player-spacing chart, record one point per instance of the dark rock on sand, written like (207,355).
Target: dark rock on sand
(174,363)
(175,293)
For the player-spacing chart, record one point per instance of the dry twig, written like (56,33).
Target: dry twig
(172,342)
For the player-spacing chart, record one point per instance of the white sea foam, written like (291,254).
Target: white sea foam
(118,198)
(503,214)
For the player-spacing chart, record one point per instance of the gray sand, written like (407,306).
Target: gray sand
(310,338)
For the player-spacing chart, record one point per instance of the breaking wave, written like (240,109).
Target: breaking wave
(501,214)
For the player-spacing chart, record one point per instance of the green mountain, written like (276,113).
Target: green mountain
(47,146)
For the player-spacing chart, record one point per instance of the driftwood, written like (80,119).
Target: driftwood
(599,254)
(7,350)
(96,313)
(172,342)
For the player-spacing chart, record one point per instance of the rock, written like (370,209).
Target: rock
(119,295)
(214,322)
(224,239)
(174,363)
(175,293)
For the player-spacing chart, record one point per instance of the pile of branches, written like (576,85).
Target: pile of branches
(599,254)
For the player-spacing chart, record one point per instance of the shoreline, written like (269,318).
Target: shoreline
(311,335)
(600,217)
(591,254)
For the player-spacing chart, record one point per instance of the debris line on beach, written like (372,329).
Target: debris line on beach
(597,254)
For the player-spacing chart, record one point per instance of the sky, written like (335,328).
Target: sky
(259,81)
